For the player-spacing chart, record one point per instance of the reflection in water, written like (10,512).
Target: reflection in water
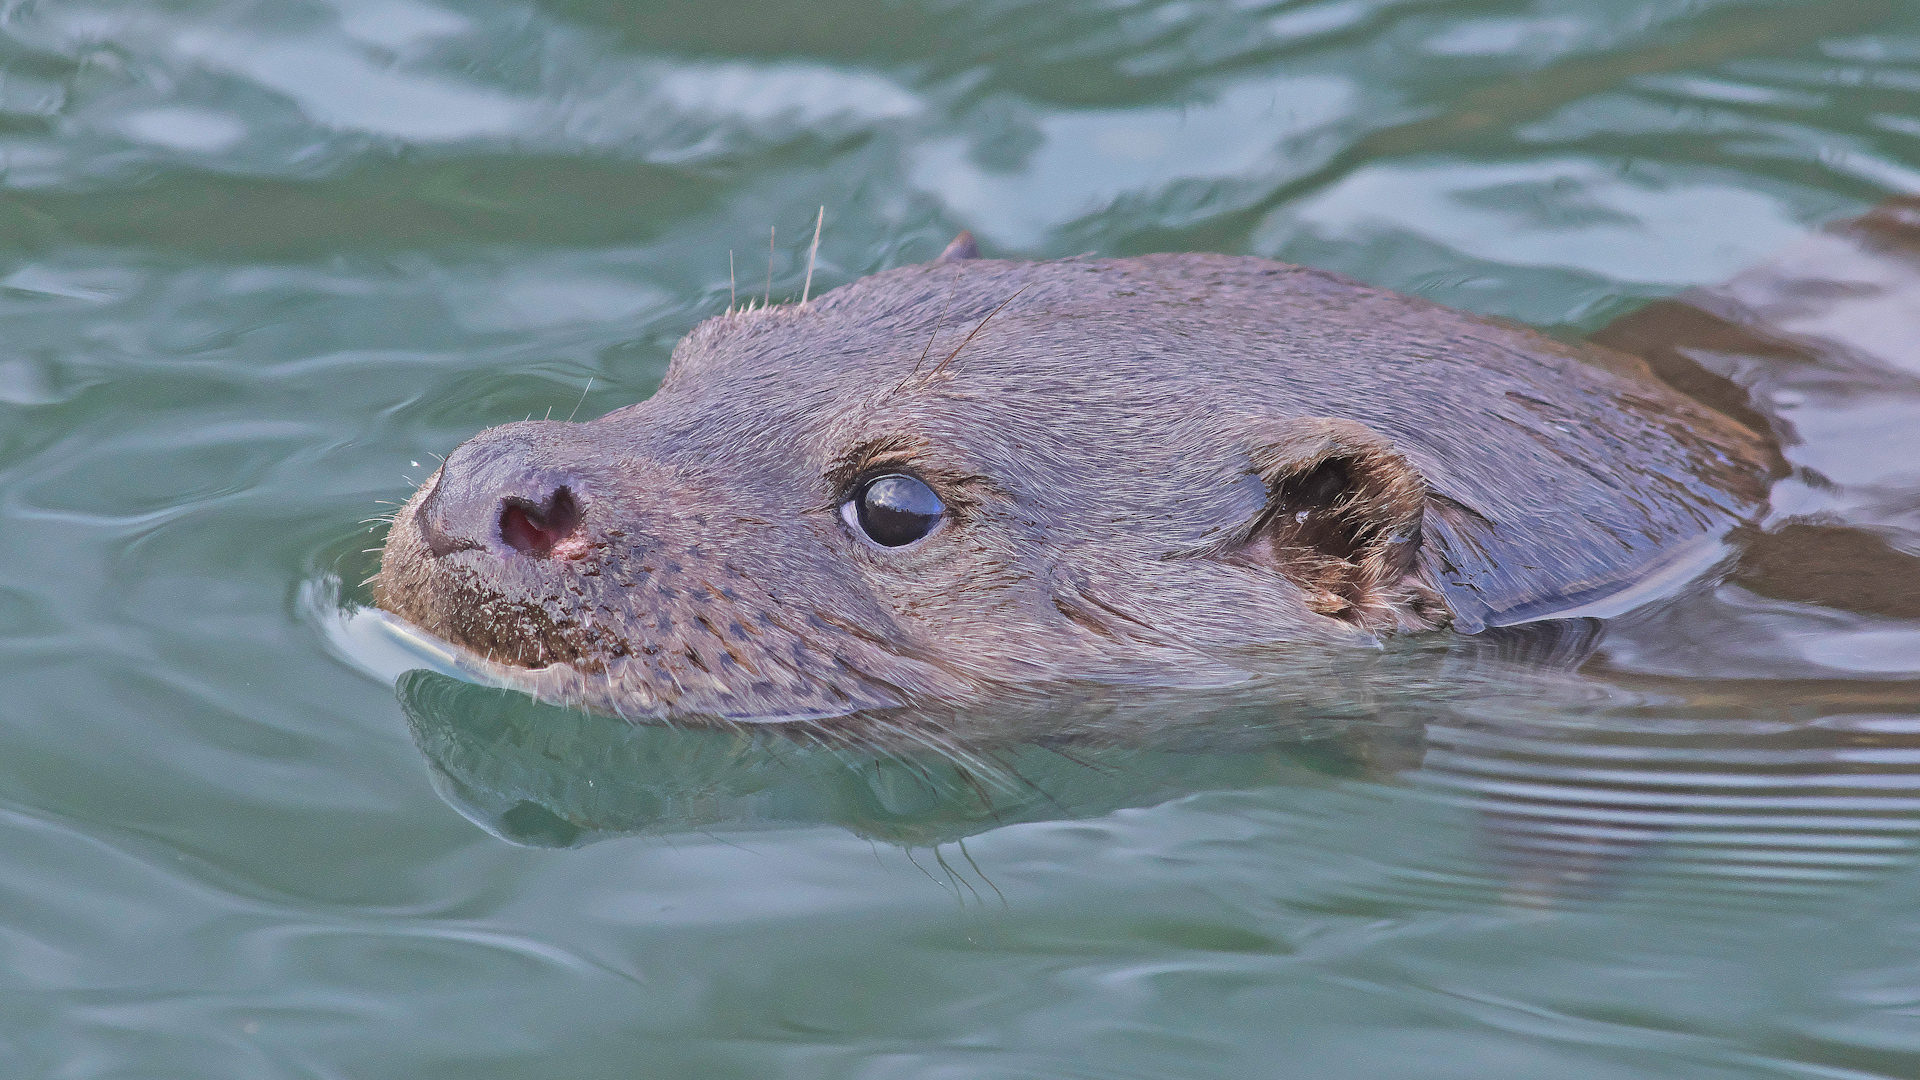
(546,776)
(1761,788)
(540,774)
(1767,787)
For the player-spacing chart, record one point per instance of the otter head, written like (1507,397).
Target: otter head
(940,483)
(959,482)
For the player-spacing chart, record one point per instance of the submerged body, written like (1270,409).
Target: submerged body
(964,484)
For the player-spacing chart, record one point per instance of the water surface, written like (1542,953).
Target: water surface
(259,262)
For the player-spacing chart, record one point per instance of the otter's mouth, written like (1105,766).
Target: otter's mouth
(385,646)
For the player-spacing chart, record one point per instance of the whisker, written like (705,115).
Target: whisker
(916,865)
(951,875)
(807,289)
(732,296)
(582,401)
(962,842)
(937,323)
(952,291)
(942,366)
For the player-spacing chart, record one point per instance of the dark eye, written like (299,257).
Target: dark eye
(894,510)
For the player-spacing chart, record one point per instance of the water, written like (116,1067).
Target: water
(259,262)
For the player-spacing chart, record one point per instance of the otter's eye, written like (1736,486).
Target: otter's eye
(894,510)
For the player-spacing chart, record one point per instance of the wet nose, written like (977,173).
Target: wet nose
(535,529)
(508,490)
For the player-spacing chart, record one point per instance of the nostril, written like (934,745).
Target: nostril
(532,528)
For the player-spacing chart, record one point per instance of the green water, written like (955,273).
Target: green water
(258,262)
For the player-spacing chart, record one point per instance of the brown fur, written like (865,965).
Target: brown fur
(1164,472)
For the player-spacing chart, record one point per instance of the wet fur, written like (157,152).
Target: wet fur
(1161,472)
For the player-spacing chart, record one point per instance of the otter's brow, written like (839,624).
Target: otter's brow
(893,451)
(911,454)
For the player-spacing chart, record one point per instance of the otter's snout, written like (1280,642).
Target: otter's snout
(509,491)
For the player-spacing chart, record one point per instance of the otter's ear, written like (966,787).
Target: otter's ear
(1342,520)
(962,247)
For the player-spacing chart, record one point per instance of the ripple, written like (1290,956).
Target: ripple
(1083,161)
(402,71)
(1814,805)
(1637,227)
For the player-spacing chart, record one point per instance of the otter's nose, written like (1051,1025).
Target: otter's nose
(507,490)
(537,528)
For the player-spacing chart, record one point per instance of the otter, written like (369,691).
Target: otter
(970,483)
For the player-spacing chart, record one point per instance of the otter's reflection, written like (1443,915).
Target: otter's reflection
(1576,785)
(540,774)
